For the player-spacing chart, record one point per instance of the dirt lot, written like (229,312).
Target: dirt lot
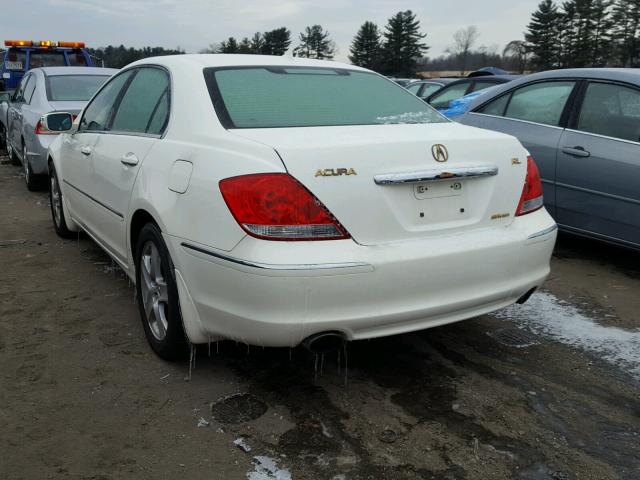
(549,390)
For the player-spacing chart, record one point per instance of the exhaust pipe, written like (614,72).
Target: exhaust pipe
(324,342)
(526,296)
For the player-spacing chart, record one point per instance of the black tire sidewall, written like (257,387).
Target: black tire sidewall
(174,345)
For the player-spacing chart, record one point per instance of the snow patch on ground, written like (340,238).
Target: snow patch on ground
(266,468)
(546,315)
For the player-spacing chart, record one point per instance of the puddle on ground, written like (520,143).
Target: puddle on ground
(238,408)
(544,314)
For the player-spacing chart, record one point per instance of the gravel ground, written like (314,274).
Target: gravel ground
(549,390)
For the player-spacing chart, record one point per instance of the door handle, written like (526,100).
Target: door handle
(85,150)
(576,151)
(129,159)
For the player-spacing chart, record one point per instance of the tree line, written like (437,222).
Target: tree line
(584,33)
(118,57)
(577,33)
(393,51)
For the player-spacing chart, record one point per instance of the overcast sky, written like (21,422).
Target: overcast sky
(193,24)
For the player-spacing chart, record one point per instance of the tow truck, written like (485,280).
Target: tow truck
(23,55)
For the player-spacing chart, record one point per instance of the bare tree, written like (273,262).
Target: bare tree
(516,51)
(463,42)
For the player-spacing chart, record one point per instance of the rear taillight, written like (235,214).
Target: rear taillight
(275,206)
(42,130)
(531,198)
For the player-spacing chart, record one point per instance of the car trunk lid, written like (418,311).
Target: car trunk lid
(384,184)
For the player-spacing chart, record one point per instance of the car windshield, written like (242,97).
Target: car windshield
(69,88)
(270,97)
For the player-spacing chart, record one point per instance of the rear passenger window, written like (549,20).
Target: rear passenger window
(540,103)
(141,108)
(160,116)
(414,88)
(442,99)
(496,107)
(611,110)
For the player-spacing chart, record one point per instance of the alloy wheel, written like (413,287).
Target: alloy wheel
(155,294)
(56,200)
(25,163)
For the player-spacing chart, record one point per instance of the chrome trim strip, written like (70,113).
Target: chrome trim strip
(94,199)
(435,174)
(267,266)
(502,117)
(597,135)
(544,232)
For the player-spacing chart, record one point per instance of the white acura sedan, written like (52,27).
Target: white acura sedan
(274,201)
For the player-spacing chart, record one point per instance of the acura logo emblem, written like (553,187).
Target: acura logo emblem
(440,153)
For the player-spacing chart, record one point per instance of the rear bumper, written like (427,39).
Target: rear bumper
(269,293)
(37,153)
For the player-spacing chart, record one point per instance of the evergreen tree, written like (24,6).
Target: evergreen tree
(229,46)
(542,36)
(315,43)
(626,32)
(402,44)
(244,46)
(366,49)
(276,42)
(257,43)
(601,43)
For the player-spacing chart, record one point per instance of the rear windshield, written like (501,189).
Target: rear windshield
(69,88)
(38,58)
(269,97)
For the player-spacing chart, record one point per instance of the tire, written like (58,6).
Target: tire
(157,295)
(12,154)
(57,206)
(3,139)
(32,180)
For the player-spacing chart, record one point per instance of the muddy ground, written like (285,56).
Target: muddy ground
(550,391)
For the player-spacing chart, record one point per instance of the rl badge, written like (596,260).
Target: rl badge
(335,172)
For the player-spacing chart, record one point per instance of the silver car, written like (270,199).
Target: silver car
(582,127)
(44,90)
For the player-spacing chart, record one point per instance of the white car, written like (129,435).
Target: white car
(273,200)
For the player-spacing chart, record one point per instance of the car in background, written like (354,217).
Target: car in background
(283,217)
(583,128)
(44,90)
(5,97)
(404,82)
(425,88)
(441,99)
(21,56)
(462,105)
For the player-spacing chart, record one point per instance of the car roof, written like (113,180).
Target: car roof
(441,81)
(50,71)
(486,79)
(204,60)
(629,75)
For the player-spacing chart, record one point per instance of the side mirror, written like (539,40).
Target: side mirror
(58,122)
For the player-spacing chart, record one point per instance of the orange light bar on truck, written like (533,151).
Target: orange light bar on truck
(71,44)
(45,44)
(18,43)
